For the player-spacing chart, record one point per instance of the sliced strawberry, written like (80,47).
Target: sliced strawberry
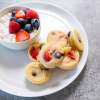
(47,56)
(35,52)
(22,35)
(14,27)
(20,14)
(72,55)
(32,14)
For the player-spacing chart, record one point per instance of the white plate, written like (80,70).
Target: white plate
(12,63)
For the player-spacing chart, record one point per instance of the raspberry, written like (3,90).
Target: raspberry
(14,27)
(32,14)
(34,52)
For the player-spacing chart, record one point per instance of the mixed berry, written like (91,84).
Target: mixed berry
(57,55)
(47,56)
(35,52)
(22,23)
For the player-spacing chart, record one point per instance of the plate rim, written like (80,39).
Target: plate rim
(72,78)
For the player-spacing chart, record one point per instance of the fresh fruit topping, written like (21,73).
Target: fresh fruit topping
(28,27)
(31,14)
(13,19)
(35,23)
(13,13)
(35,52)
(22,21)
(22,35)
(14,27)
(47,56)
(57,55)
(72,55)
(29,21)
(20,14)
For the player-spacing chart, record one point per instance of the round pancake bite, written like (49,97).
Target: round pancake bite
(55,36)
(70,60)
(36,74)
(75,40)
(49,57)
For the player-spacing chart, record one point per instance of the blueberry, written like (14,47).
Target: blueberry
(69,33)
(35,23)
(57,55)
(12,18)
(29,21)
(13,13)
(28,27)
(22,21)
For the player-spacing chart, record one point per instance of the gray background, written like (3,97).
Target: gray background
(87,85)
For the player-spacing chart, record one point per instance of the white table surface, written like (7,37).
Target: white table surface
(87,85)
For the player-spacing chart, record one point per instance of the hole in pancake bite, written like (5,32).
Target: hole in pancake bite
(79,39)
(69,33)
(34,74)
